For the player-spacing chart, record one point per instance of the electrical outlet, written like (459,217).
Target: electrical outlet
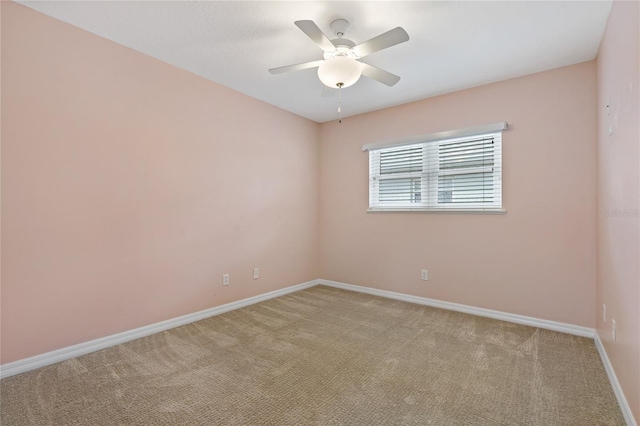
(613,329)
(225,279)
(604,313)
(256,273)
(425,275)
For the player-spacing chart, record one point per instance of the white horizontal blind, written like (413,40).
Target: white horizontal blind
(400,175)
(462,173)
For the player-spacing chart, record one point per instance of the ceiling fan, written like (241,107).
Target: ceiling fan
(341,66)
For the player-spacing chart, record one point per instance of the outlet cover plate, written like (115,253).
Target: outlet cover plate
(613,329)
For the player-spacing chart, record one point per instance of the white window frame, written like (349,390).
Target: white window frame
(429,202)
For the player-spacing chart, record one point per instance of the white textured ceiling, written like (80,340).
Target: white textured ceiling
(453,45)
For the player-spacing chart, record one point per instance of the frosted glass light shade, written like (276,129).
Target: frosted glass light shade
(338,70)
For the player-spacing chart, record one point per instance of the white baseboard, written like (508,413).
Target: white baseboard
(63,354)
(617,390)
(504,316)
(48,358)
(518,319)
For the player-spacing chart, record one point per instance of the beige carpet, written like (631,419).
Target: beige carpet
(324,356)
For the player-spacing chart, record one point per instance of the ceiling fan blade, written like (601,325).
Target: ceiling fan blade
(390,38)
(315,34)
(296,67)
(377,74)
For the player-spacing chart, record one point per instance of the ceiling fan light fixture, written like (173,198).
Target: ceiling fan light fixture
(340,71)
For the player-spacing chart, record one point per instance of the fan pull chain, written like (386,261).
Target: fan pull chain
(340,102)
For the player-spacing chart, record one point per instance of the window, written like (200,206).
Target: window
(449,171)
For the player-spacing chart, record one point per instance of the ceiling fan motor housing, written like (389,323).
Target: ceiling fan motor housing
(343,45)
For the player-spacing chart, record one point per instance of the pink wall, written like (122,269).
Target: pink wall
(537,260)
(129,186)
(0,182)
(618,231)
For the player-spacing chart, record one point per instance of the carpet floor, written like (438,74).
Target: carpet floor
(324,356)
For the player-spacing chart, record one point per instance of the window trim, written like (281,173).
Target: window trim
(436,137)
(437,211)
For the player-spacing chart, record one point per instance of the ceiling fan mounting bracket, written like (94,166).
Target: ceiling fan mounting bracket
(339,27)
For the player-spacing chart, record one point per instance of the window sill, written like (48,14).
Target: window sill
(418,210)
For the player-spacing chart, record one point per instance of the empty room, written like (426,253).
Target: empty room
(320,213)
